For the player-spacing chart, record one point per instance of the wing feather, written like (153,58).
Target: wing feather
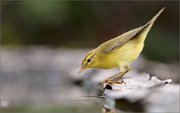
(117,42)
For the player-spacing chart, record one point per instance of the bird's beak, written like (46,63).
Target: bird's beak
(82,68)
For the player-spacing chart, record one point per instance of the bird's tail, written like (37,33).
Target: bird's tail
(156,16)
(145,28)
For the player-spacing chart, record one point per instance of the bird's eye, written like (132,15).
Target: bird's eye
(89,60)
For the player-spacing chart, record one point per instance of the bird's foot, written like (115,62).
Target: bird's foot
(107,84)
(111,82)
(119,82)
(107,81)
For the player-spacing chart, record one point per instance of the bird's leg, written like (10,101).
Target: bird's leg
(110,79)
(115,81)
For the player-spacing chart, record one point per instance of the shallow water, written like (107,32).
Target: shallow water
(38,80)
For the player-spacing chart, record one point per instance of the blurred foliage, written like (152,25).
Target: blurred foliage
(88,24)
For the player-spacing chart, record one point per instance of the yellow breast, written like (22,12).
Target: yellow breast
(123,55)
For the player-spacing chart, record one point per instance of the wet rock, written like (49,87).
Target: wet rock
(144,94)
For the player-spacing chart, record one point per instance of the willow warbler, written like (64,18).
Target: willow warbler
(119,51)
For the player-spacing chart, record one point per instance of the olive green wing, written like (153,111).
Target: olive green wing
(117,42)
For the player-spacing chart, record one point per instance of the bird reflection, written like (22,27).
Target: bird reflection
(107,109)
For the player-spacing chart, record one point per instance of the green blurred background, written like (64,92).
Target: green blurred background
(87,24)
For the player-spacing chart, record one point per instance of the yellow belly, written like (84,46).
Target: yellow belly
(123,55)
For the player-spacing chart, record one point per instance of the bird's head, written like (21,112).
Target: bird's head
(89,61)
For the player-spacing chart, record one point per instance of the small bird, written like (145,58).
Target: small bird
(119,52)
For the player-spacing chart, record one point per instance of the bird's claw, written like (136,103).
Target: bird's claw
(111,82)
(121,82)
